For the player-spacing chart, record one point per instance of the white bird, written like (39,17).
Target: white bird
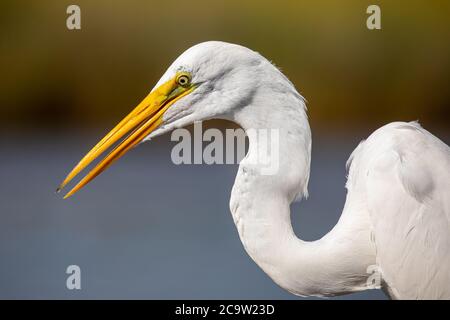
(395,225)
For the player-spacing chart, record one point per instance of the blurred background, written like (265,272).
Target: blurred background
(148,228)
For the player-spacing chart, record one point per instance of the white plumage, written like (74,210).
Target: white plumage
(404,171)
(397,213)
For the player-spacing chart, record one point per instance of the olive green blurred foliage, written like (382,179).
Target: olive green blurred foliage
(55,79)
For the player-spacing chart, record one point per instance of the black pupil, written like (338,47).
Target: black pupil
(183,80)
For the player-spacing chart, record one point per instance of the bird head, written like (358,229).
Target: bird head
(209,80)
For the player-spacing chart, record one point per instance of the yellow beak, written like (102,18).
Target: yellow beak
(144,119)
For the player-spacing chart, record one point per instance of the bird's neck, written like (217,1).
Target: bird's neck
(260,205)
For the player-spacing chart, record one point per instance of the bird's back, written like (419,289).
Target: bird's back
(403,173)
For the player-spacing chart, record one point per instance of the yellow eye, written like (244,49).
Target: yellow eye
(183,79)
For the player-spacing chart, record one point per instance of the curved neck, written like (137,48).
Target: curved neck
(260,205)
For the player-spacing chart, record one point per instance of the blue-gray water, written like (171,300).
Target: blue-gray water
(144,229)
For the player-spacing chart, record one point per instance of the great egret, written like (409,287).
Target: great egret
(397,214)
